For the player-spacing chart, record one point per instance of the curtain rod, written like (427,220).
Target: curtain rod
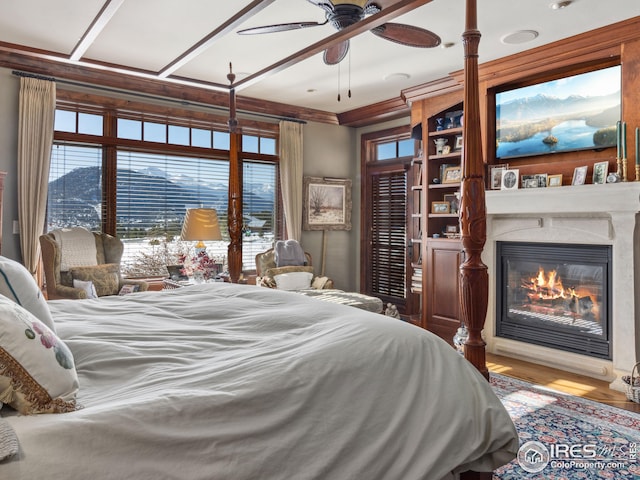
(152,97)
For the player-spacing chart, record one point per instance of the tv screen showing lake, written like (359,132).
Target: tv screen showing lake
(572,113)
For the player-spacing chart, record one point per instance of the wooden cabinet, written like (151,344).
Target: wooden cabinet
(441,292)
(439,187)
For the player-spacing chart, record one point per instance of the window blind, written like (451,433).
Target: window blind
(388,234)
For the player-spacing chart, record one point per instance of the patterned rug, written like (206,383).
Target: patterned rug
(567,437)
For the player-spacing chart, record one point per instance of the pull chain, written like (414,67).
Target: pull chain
(349,73)
(338,82)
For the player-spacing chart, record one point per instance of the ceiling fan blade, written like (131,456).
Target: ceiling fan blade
(326,5)
(282,27)
(407,35)
(335,54)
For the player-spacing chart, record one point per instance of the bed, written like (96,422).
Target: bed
(227,381)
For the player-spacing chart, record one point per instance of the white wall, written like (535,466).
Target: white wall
(9,88)
(329,152)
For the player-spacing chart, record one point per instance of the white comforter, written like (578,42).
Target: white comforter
(221,381)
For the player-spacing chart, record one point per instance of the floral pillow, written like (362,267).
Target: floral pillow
(37,371)
(17,284)
(105,277)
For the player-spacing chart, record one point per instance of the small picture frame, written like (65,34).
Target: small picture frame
(600,172)
(451,229)
(529,181)
(554,180)
(440,208)
(510,179)
(454,204)
(457,145)
(451,175)
(496,175)
(541,180)
(579,175)
(446,150)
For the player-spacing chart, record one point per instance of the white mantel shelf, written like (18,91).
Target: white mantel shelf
(585,214)
(610,197)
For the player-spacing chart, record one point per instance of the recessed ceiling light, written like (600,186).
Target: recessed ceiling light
(521,36)
(560,5)
(396,76)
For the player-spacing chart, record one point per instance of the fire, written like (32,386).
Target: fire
(547,287)
(546,290)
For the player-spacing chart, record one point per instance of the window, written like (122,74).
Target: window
(152,186)
(75,187)
(394,149)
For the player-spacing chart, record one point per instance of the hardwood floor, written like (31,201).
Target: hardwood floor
(567,382)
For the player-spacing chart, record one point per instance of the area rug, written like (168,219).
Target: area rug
(567,437)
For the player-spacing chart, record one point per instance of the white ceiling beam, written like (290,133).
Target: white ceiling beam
(105,15)
(239,18)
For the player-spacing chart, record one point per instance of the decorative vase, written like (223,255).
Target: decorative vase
(440,143)
(460,338)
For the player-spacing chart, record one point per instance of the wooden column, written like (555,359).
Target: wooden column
(234,209)
(474,281)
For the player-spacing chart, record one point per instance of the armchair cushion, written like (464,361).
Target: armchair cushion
(293,280)
(105,277)
(87,286)
(269,278)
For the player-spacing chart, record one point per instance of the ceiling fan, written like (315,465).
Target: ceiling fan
(342,14)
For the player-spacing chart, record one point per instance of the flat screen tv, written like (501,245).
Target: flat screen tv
(579,112)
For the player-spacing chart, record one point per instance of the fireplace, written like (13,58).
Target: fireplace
(555,295)
(595,215)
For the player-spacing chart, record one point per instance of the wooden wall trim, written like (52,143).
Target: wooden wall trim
(375,113)
(593,46)
(42,63)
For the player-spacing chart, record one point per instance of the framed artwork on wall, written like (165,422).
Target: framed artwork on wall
(327,204)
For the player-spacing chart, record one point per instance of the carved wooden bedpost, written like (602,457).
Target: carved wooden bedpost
(474,281)
(234,207)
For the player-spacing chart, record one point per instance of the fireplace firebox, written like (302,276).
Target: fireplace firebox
(555,295)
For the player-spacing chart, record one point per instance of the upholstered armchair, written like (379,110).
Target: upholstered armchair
(104,275)
(266,270)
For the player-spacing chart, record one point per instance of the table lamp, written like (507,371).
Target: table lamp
(201,224)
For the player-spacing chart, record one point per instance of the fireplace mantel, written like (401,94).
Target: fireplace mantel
(586,214)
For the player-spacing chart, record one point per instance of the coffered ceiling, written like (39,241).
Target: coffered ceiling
(192,42)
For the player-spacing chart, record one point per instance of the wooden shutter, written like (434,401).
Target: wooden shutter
(388,233)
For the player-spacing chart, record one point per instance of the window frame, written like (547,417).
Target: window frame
(112,109)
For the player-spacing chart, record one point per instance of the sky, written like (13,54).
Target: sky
(596,83)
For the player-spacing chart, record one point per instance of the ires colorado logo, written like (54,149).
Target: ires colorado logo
(534,456)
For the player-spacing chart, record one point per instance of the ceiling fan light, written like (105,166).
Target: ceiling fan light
(360,3)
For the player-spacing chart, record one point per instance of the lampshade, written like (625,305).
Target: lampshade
(201,224)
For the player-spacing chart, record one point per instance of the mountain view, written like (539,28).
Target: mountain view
(148,199)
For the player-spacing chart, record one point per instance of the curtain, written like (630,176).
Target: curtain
(291,176)
(37,107)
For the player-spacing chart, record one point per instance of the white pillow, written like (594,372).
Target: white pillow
(38,373)
(87,286)
(293,280)
(17,284)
